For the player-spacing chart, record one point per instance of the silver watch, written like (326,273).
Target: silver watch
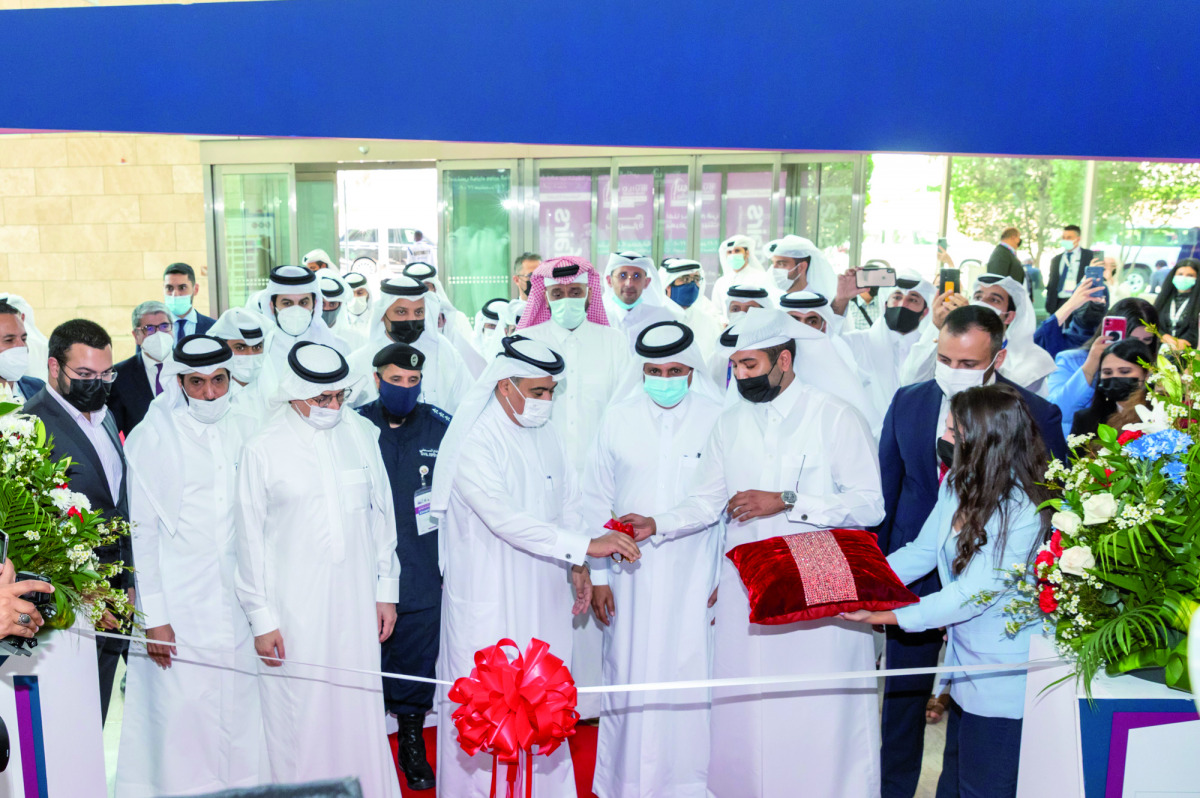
(789,499)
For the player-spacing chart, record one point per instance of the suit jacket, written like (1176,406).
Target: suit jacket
(1053,302)
(1005,263)
(86,474)
(203,323)
(131,394)
(908,462)
(30,386)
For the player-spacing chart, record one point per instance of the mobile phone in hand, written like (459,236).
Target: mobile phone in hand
(1095,274)
(949,280)
(1113,328)
(875,277)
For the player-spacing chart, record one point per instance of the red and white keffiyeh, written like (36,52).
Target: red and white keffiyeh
(537,309)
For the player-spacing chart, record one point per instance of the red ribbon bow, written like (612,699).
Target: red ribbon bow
(617,526)
(509,707)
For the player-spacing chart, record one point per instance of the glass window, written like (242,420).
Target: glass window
(735,199)
(903,213)
(478,253)
(819,206)
(569,212)
(257,230)
(316,216)
(652,210)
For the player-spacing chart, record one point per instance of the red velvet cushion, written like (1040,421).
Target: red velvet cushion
(813,575)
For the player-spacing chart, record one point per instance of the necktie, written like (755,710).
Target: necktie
(157,382)
(179,330)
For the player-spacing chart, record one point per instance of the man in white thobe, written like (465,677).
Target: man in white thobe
(739,299)
(192,726)
(245,331)
(407,313)
(786,458)
(566,312)
(507,501)
(355,321)
(633,296)
(317,575)
(655,611)
(798,264)
(739,266)
(452,322)
(683,281)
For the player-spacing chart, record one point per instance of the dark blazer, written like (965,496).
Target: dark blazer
(86,474)
(131,394)
(30,386)
(909,468)
(203,323)
(1005,263)
(1053,302)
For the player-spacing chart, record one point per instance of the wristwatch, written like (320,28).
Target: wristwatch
(789,500)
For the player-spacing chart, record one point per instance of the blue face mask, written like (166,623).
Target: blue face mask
(621,304)
(398,399)
(684,295)
(666,391)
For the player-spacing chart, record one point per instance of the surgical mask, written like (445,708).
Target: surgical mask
(1182,283)
(759,389)
(330,316)
(208,411)
(323,417)
(244,368)
(357,305)
(685,295)
(782,281)
(1117,389)
(735,316)
(158,346)
(399,400)
(86,396)
(901,319)
(405,332)
(621,304)
(569,312)
(294,320)
(666,391)
(736,262)
(537,411)
(954,381)
(14,363)
(945,452)
(178,305)
(1067,244)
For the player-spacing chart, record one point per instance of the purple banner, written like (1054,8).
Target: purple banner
(710,224)
(635,213)
(565,215)
(748,206)
(675,215)
(603,218)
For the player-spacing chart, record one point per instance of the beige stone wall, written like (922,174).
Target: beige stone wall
(88,222)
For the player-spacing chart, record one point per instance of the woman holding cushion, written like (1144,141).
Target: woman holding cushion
(986,520)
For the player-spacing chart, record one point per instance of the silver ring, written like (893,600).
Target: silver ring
(23,619)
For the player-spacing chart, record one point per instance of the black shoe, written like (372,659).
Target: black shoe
(411,752)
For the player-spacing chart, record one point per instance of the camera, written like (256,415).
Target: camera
(44,602)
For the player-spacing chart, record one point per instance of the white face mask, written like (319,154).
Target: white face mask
(14,363)
(323,417)
(953,381)
(208,411)
(537,411)
(735,316)
(782,281)
(357,305)
(244,368)
(294,320)
(158,346)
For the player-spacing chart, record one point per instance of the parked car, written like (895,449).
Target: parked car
(392,247)
(1139,248)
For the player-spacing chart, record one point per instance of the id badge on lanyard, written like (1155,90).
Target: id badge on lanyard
(421,505)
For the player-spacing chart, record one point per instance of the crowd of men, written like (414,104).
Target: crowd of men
(349,475)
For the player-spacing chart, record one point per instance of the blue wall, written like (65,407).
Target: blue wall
(1041,77)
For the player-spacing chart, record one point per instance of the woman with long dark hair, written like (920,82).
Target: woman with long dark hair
(1177,303)
(1071,386)
(1120,387)
(986,519)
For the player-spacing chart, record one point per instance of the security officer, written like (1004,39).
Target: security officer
(410,433)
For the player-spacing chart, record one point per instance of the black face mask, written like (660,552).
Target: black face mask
(1118,389)
(759,389)
(405,332)
(901,319)
(330,316)
(86,396)
(945,452)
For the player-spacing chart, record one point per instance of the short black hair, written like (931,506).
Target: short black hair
(7,309)
(1074,228)
(773,352)
(524,256)
(77,331)
(181,268)
(973,317)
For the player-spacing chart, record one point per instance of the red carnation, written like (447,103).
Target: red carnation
(1044,558)
(63,486)
(1056,544)
(1127,436)
(1047,601)
(74,513)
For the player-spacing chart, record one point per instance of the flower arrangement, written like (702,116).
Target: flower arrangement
(1119,578)
(52,529)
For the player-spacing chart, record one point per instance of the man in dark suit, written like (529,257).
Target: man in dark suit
(1004,260)
(71,406)
(139,379)
(1066,269)
(179,295)
(969,354)
(14,353)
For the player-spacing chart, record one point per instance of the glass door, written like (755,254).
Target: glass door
(819,204)
(652,207)
(572,198)
(317,214)
(254,209)
(739,195)
(480,221)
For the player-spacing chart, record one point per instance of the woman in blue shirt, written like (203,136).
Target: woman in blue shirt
(985,521)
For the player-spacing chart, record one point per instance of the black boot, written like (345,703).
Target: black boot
(411,752)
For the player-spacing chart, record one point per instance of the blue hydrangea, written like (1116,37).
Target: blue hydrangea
(1174,471)
(1158,444)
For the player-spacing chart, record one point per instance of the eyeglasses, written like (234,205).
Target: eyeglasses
(88,374)
(326,399)
(687,278)
(151,329)
(635,275)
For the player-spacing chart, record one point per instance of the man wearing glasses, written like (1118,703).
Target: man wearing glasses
(140,378)
(318,576)
(71,406)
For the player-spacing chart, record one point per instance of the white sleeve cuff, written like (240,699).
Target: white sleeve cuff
(387,590)
(599,570)
(262,621)
(154,608)
(571,547)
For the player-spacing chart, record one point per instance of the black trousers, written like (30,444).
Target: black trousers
(904,700)
(109,651)
(412,650)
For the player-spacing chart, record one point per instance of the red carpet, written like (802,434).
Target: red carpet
(583,756)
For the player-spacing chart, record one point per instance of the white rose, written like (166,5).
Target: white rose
(1076,560)
(1066,521)
(1099,508)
